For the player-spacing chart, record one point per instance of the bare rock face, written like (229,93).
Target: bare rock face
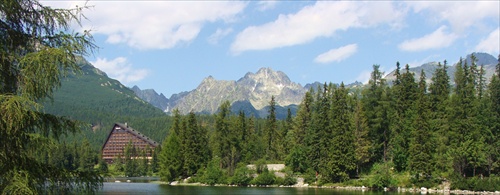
(256,88)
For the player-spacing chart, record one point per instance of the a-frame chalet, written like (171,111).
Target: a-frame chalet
(119,137)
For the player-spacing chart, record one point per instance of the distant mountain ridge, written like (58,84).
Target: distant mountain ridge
(482,59)
(254,88)
(253,91)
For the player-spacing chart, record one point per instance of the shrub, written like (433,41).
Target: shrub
(260,165)
(213,174)
(265,178)
(289,180)
(309,176)
(381,176)
(241,176)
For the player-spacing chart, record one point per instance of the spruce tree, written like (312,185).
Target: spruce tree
(377,111)
(37,51)
(341,151)
(171,157)
(271,132)
(439,93)
(223,135)
(421,146)
(362,143)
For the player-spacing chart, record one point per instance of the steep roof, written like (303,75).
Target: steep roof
(132,131)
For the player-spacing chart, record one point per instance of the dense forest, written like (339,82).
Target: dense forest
(409,133)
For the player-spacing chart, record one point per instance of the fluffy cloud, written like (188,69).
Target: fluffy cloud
(266,5)
(437,39)
(322,19)
(337,55)
(154,24)
(490,44)
(218,35)
(120,69)
(459,14)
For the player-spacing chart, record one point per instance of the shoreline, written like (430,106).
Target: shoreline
(346,188)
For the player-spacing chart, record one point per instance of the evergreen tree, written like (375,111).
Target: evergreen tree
(322,128)
(362,142)
(439,93)
(195,146)
(376,108)
(272,143)
(36,52)
(493,107)
(341,152)
(421,148)
(86,156)
(171,158)
(402,126)
(223,135)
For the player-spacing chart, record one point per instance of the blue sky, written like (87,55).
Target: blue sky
(171,46)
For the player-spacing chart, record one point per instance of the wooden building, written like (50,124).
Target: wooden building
(119,137)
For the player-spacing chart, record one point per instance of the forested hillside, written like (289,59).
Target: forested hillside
(95,99)
(411,133)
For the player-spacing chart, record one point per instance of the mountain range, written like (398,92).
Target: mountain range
(253,91)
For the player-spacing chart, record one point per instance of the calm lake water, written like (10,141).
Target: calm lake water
(155,188)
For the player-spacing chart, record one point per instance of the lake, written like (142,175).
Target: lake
(124,188)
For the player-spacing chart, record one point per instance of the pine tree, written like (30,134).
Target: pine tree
(402,126)
(171,156)
(322,128)
(421,146)
(271,132)
(341,151)
(362,143)
(223,135)
(195,146)
(439,93)
(492,104)
(376,108)
(37,51)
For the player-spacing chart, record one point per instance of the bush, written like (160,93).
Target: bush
(213,174)
(260,165)
(476,183)
(265,178)
(241,176)
(289,180)
(309,176)
(381,176)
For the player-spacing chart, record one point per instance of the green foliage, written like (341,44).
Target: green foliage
(260,166)
(288,180)
(171,158)
(264,178)
(297,159)
(213,174)
(476,183)
(36,54)
(242,176)
(381,176)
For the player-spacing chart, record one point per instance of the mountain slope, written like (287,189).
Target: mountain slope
(486,60)
(99,101)
(150,95)
(255,88)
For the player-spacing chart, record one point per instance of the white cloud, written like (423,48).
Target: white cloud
(490,44)
(364,76)
(120,69)
(218,35)
(337,54)
(460,14)
(266,5)
(322,19)
(155,24)
(437,39)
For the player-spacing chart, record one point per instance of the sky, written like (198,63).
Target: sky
(171,46)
